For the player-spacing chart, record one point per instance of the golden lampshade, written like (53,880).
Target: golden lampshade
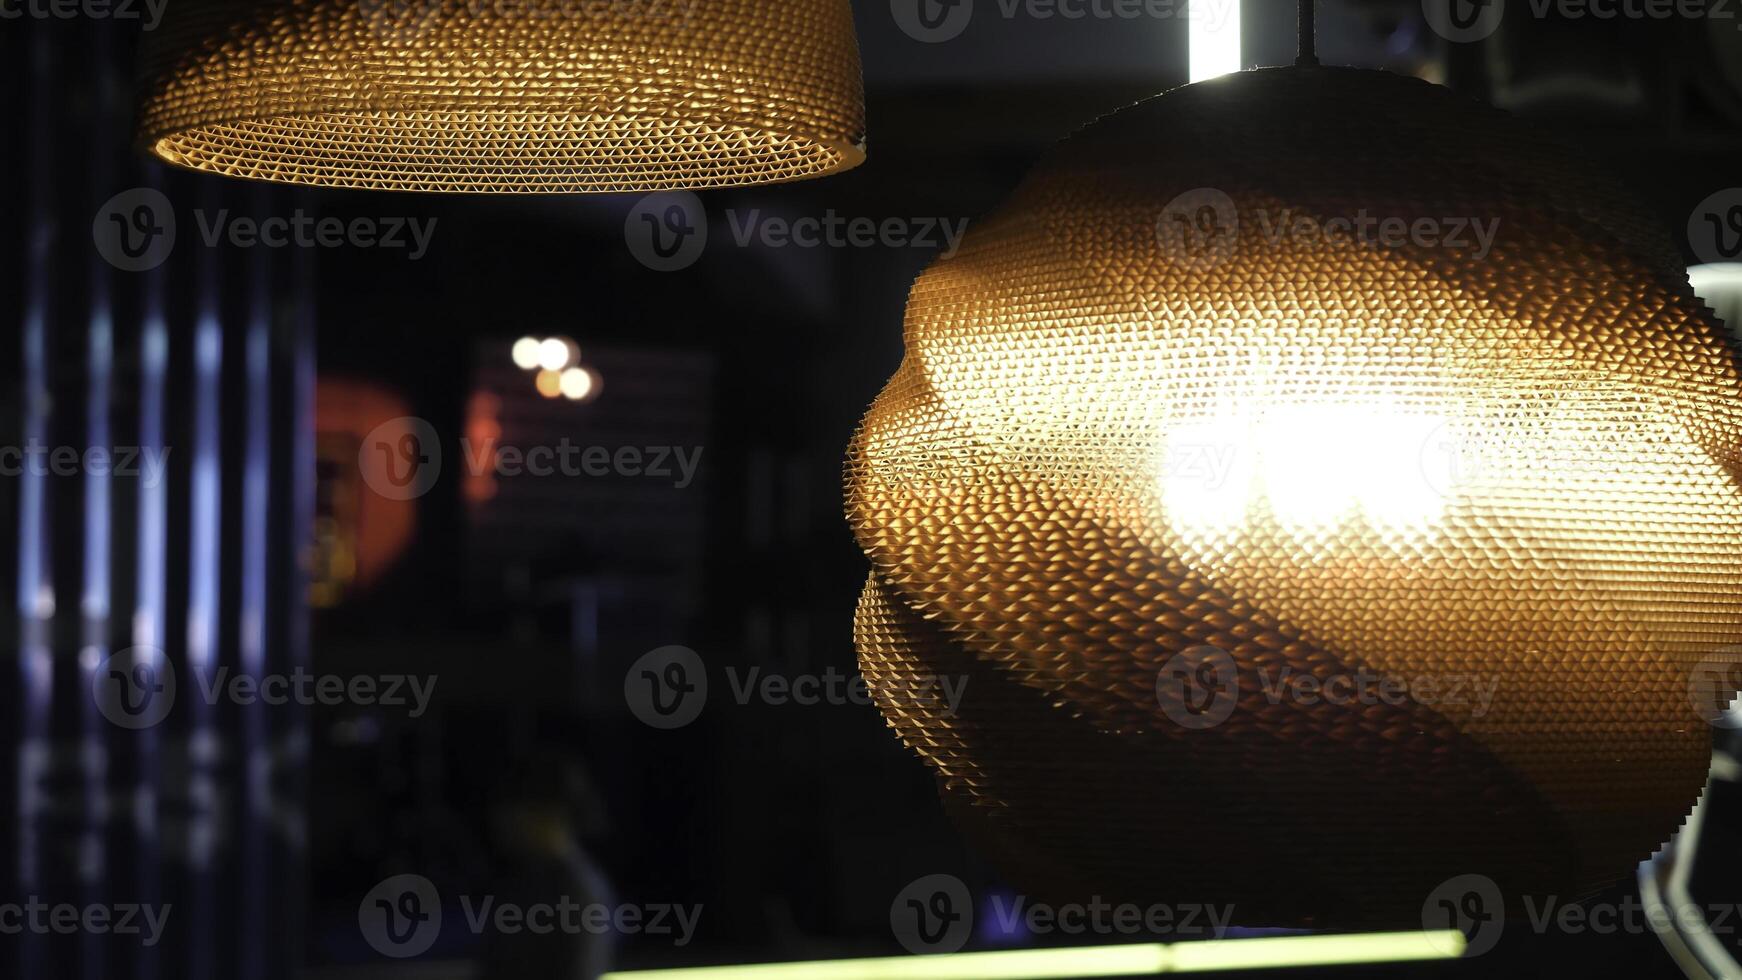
(506,95)
(1173,435)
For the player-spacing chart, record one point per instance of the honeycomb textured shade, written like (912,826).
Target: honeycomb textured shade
(1172,432)
(533,96)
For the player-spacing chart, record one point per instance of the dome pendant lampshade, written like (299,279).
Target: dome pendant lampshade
(1296,563)
(506,95)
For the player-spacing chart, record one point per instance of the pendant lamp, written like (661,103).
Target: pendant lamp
(1295,567)
(506,96)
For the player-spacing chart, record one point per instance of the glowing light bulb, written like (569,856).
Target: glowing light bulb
(576,383)
(556,354)
(526,353)
(1314,466)
(1207,470)
(1306,458)
(1405,475)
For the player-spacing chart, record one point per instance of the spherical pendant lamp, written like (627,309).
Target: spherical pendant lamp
(506,95)
(1329,488)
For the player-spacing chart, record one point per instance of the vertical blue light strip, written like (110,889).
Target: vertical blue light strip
(150,607)
(35,597)
(94,604)
(150,610)
(205,520)
(256,519)
(94,589)
(205,517)
(295,653)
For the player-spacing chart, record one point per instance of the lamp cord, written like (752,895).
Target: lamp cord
(1308,39)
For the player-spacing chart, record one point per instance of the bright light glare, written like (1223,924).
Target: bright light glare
(526,353)
(1277,952)
(1313,465)
(549,383)
(577,383)
(1720,286)
(1099,961)
(1213,36)
(554,354)
(1410,466)
(1207,474)
(1719,276)
(1308,457)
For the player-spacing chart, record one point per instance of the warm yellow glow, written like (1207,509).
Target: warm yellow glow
(1099,961)
(550,384)
(1111,961)
(1312,467)
(1335,950)
(555,354)
(1160,446)
(1208,473)
(457,96)
(526,353)
(577,384)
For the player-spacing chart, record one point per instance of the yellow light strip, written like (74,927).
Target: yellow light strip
(1098,961)
(1332,950)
